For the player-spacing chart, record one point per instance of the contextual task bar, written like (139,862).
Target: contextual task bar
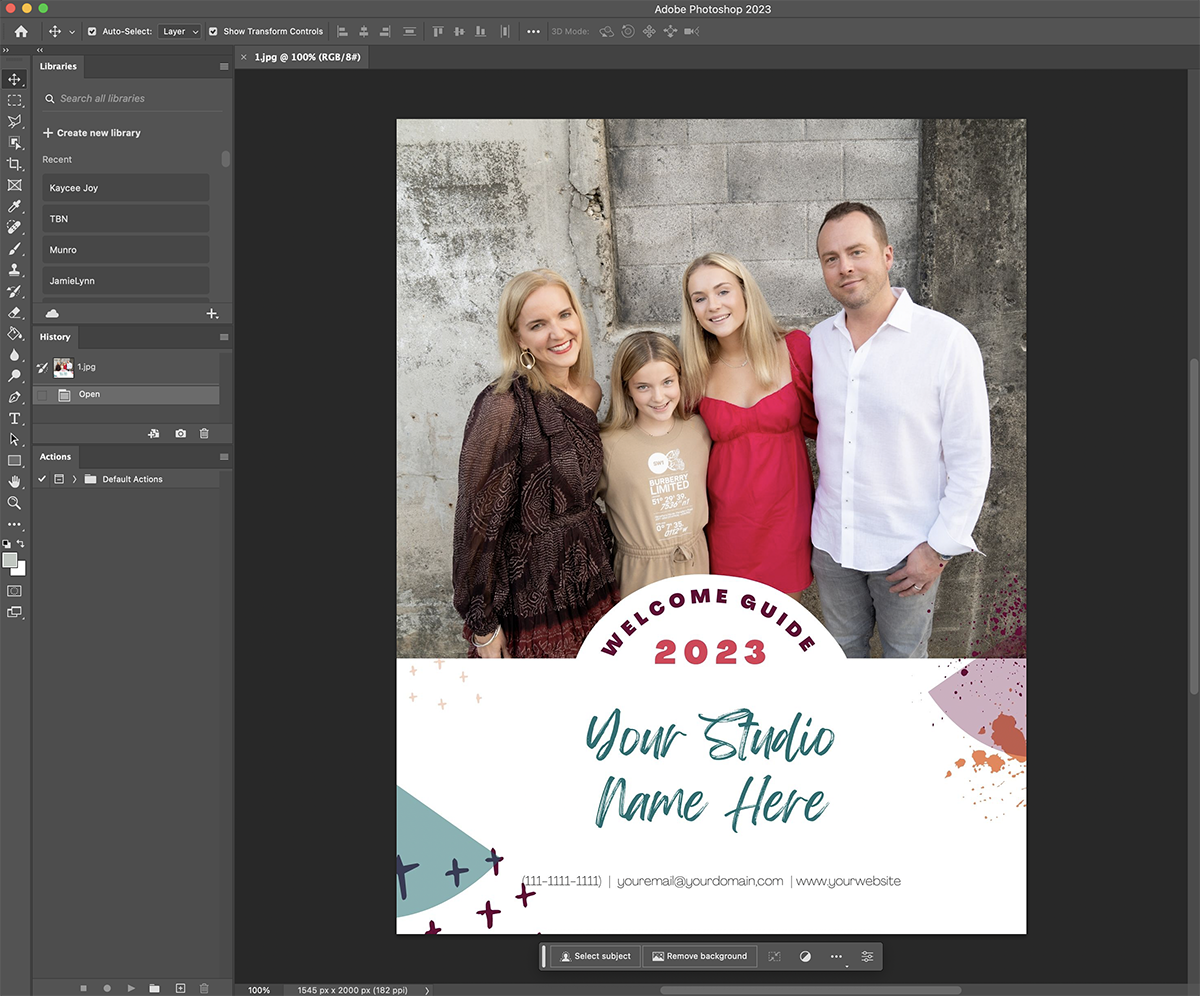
(765,957)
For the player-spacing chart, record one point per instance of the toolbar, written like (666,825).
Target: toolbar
(708,28)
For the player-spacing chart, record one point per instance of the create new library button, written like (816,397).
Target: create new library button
(591,957)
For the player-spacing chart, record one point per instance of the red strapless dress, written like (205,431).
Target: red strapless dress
(760,487)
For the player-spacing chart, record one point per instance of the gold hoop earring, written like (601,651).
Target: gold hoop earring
(522,359)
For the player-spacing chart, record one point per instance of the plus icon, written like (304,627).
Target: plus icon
(48,133)
(456,872)
(488,912)
(401,870)
(212,314)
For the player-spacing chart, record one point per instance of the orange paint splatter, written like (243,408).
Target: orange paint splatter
(982,730)
(1007,737)
(947,774)
(994,761)
(960,762)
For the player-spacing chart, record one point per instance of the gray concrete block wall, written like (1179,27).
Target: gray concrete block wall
(973,267)
(757,189)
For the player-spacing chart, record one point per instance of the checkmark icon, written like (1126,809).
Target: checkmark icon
(41,479)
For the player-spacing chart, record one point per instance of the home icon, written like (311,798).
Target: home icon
(21,32)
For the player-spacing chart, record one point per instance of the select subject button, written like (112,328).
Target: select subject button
(593,956)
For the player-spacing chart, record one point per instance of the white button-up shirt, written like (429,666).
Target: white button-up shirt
(904,443)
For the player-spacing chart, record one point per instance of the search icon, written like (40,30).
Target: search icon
(12,500)
(49,98)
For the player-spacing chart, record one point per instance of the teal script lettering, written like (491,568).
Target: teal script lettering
(643,807)
(765,743)
(630,739)
(772,807)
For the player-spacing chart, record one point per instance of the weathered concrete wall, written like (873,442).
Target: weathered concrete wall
(476,203)
(758,190)
(972,234)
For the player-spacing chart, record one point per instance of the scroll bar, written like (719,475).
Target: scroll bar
(1194,525)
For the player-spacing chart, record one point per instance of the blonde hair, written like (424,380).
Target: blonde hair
(760,331)
(516,292)
(636,350)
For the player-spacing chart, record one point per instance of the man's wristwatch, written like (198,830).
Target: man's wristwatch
(940,556)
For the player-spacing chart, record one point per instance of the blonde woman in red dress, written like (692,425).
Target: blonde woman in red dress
(758,405)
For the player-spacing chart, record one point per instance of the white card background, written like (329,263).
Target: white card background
(499,749)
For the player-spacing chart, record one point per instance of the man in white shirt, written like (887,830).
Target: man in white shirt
(904,444)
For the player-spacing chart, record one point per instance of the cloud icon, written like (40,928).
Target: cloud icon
(52,313)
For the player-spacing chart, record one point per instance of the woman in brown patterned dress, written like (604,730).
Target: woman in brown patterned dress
(532,567)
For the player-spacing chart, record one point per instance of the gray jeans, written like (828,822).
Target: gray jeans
(854,602)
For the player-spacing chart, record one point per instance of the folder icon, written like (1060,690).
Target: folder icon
(154,987)
(89,478)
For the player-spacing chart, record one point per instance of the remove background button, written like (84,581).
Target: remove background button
(700,956)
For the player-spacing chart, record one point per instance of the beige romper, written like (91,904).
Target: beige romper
(655,488)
